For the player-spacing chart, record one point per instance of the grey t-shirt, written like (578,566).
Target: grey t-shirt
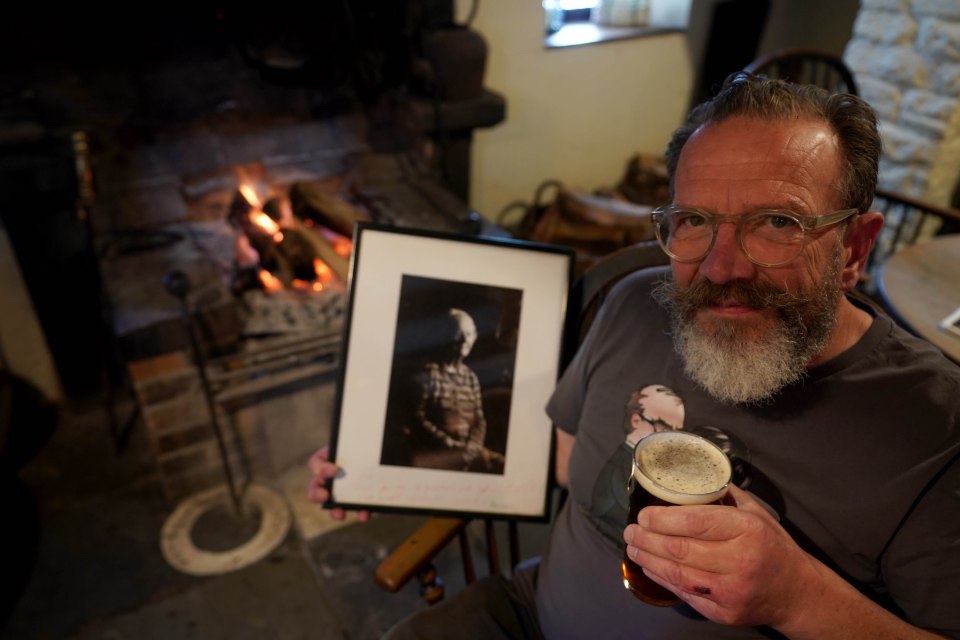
(860,462)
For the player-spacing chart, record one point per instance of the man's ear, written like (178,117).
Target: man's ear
(858,241)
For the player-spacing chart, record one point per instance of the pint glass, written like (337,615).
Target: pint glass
(671,468)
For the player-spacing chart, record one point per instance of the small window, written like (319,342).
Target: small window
(558,13)
(575,22)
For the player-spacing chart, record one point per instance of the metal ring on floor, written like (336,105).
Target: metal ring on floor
(182,554)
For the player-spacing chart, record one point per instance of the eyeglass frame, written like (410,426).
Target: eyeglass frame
(807,224)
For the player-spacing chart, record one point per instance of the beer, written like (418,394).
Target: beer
(671,468)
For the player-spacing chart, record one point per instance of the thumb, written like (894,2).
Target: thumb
(750,503)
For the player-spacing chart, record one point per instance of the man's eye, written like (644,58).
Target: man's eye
(780,222)
(691,220)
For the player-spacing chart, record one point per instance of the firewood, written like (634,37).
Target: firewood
(337,263)
(273,260)
(300,252)
(311,201)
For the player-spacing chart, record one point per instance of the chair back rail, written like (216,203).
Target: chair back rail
(807,66)
(907,219)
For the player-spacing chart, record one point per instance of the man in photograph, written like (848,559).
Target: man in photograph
(447,428)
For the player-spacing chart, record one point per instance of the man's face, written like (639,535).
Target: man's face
(465,335)
(729,307)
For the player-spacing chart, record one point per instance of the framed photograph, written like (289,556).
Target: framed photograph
(951,324)
(451,350)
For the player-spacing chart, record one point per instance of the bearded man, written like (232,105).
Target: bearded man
(850,525)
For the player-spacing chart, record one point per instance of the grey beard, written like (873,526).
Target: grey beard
(735,368)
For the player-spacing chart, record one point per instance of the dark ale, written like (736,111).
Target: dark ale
(671,468)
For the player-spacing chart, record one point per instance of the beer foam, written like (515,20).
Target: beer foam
(682,468)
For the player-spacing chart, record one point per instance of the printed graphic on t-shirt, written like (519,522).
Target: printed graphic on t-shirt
(651,408)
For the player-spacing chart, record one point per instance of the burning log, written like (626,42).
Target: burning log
(310,201)
(324,250)
(299,249)
(245,216)
(307,238)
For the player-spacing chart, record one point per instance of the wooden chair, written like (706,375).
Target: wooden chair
(415,556)
(907,220)
(806,66)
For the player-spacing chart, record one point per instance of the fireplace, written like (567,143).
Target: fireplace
(212,118)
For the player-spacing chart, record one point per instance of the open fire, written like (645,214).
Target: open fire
(278,249)
(291,255)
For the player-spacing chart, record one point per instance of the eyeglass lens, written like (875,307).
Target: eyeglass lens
(768,238)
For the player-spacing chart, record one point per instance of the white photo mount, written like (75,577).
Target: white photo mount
(401,281)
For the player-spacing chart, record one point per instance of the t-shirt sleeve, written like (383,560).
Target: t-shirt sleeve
(566,402)
(565,405)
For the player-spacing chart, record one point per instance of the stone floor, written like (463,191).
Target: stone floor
(99,571)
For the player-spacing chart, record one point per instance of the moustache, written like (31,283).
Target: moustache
(702,293)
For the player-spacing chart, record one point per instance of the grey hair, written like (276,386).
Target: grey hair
(853,120)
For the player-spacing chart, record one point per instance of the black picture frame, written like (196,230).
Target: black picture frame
(402,412)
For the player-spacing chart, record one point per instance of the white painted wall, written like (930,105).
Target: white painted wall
(574,114)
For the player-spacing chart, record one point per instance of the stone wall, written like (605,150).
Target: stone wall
(905,55)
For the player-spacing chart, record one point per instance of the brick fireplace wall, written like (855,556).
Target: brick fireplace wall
(906,58)
(264,436)
(183,183)
(178,425)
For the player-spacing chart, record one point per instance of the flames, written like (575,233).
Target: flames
(270,282)
(270,233)
(266,223)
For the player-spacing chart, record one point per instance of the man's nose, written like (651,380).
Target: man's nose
(726,261)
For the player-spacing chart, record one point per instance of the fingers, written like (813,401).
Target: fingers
(665,554)
(717,548)
(322,470)
(733,564)
(317,491)
(698,575)
(712,521)
(665,538)
(703,522)
(320,460)
(689,584)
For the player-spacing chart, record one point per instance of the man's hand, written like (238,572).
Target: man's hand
(736,566)
(321,470)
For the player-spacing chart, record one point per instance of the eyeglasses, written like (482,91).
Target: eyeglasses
(769,237)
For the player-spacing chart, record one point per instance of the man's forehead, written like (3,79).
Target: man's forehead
(752,139)
(773,159)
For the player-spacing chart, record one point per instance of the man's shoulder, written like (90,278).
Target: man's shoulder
(896,347)
(640,282)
